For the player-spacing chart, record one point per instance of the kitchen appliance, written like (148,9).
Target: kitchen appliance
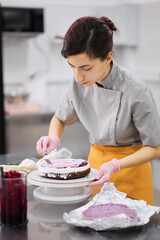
(22,20)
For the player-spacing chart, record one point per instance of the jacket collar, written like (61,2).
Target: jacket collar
(108,82)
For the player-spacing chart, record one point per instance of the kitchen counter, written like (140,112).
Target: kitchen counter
(36,115)
(45,221)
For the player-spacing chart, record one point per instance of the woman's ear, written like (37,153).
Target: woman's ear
(109,57)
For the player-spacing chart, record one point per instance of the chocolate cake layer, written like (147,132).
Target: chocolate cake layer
(71,175)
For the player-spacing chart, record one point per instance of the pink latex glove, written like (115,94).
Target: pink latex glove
(105,173)
(47,143)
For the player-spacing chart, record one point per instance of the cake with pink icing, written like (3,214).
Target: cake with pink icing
(64,168)
(108,210)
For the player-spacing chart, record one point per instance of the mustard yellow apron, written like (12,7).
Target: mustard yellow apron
(135,181)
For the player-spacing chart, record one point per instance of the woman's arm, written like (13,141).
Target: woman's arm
(56,127)
(143,155)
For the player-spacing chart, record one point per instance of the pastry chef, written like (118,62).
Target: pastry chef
(116,109)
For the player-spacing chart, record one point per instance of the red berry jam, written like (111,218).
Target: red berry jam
(13,198)
(12,174)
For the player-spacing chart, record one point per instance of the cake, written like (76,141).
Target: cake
(108,210)
(64,168)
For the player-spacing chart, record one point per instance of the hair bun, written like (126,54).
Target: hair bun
(109,23)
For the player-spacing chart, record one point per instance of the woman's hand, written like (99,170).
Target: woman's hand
(46,144)
(105,173)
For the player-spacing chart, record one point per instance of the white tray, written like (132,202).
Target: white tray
(35,179)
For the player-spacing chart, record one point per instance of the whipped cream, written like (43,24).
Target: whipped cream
(63,166)
(27,165)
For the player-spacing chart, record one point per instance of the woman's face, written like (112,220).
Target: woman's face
(87,70)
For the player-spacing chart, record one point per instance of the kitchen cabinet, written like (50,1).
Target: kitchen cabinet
(60,17)
(125,17)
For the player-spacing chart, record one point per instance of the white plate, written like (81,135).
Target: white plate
(35,179)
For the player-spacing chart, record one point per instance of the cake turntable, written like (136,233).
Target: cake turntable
(61,191)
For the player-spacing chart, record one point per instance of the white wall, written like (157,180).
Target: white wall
(145,58)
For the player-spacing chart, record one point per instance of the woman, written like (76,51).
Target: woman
(117,111)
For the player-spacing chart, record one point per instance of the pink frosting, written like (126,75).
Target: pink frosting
(108,210)
(65,163)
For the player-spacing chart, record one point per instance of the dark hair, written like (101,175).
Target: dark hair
(91,35)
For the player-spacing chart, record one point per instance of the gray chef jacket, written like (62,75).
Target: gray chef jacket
(123,113)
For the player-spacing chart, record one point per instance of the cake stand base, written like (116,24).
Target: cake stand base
(48,195)
(61,191)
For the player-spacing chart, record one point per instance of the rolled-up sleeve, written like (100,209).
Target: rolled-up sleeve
(66,112)
(145,117)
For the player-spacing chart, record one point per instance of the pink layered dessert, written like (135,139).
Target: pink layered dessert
(108,210)
(64,168)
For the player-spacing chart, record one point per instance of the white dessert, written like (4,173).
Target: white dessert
(26,165)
